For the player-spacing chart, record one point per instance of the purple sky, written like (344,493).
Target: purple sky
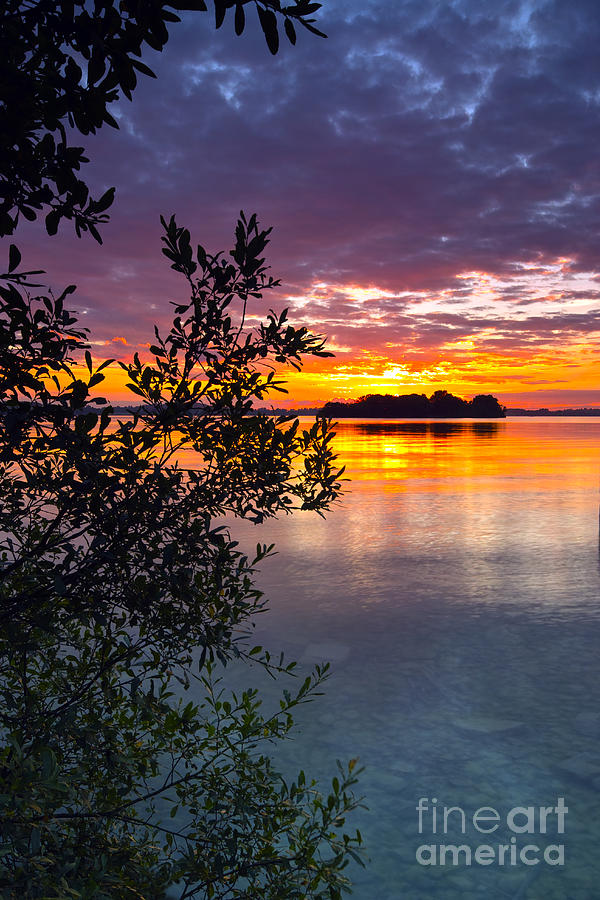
(442,158)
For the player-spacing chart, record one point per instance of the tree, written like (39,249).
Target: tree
(120,587)
(62,63)
(487,406)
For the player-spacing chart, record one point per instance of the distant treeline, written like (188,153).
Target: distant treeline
(441,405)
(584,411)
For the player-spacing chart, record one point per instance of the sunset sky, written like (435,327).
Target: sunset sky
(432,173)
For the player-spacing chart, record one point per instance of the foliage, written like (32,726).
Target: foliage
(62,63)
(121,589)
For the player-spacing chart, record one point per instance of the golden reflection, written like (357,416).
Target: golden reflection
(470,456)
(467,511)
(464,511)
(466,456)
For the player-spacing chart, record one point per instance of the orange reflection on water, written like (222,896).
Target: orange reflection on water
(462,512)
(470,455)
(520,454)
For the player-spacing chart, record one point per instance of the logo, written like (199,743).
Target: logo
(533,821)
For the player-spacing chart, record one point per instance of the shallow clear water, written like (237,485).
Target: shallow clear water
(456,592)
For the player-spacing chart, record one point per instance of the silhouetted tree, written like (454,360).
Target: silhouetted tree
(119,583)
(445,405)
(120,587)
(486,406)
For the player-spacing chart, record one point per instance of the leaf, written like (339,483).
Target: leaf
(135,390)
(105,201)
(95,233)
(110,120)
(35,841)
(268,23)
(314,30)
(143,68)
(14,257)
(290,31)
(70,288)
(220,10)
(240,19)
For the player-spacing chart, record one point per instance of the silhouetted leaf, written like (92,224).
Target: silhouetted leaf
(143,68)
(14,257)
(290,31)
(105,200)
(313,30)
(95,233)
(240,18)
(268,23)
(52,221)
(220,10)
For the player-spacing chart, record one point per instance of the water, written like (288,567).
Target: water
(455,591)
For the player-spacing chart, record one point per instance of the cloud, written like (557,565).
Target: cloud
(420,143)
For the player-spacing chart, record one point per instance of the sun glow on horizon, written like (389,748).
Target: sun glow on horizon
(532,330)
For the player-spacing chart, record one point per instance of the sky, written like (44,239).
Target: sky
(432,175)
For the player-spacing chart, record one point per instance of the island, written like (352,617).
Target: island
(441,405)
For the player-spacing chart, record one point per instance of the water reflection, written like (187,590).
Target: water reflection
(517,455)
(456,591)
(434,427)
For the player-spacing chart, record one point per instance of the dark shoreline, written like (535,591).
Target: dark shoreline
(589,412)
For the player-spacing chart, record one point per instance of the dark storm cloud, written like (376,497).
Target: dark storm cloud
(421,140)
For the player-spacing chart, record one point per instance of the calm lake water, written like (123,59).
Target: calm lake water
(456,592)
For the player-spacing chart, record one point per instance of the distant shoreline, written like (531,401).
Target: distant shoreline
(585,412)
